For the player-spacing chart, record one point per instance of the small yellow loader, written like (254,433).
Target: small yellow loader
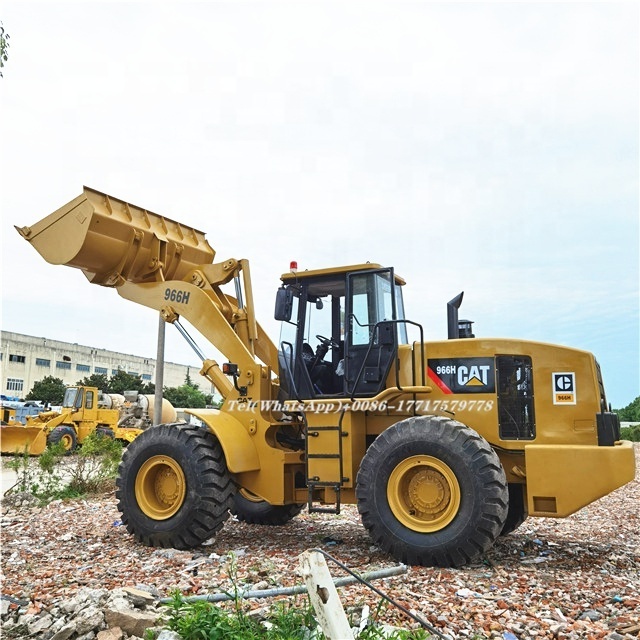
(83,411)
(443,445)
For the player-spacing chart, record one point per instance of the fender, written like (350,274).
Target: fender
(237,445)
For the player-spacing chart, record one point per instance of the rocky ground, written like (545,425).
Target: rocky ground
(67,567)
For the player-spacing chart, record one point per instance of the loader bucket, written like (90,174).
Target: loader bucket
(113,242)
(17,440)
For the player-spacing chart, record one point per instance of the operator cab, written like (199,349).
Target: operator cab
(340,331)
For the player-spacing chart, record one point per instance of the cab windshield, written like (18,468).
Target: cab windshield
(72,398)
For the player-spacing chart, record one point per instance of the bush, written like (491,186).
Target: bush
(96,465)
(631,433)
(56,475)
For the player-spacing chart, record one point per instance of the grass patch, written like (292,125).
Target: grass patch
(200,620)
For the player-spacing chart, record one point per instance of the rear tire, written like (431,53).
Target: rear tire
(517,513)
(105,432)
(64,434)
(432,492)
(252,510)
(173,486)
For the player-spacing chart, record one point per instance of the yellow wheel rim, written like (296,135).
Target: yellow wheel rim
(252,497)
(160,487)
(423,493)
(67,441)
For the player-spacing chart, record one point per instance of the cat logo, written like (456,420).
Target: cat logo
(564,387)
(462,375)
(475,375)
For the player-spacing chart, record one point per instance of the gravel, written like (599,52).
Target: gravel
(578,577)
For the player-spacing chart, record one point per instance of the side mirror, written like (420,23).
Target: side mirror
(284,304)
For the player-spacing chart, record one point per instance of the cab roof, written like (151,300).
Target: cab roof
(296,276)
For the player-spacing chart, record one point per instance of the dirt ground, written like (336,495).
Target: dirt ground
(578,577)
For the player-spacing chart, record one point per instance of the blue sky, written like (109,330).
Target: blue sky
(484,147)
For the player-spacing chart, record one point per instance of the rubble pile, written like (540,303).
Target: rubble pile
(91,614)
(72,572)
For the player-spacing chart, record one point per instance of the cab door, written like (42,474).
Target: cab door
(371,341)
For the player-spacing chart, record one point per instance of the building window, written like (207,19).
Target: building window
(133,373)
(146,376)
(43,362)
(101,370)
(14,384)
(63,365)
(83,367)
(114,371)
(15,358)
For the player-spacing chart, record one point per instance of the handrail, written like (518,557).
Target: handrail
(371,342)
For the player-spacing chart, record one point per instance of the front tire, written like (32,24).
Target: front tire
(432,492)
(173,486)
(248,508)
(64,434)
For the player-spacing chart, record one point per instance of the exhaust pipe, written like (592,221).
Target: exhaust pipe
(452,316)
(457,328)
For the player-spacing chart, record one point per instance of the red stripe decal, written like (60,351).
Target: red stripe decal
(436,380)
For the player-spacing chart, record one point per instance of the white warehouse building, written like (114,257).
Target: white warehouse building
(25,360)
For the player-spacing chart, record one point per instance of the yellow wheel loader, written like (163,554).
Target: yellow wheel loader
(83,411)
(443,445)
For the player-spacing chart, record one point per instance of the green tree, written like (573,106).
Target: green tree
(188,382)
(148,388)
(98,380)
(4,47)
(49,390)
(630,413)
(186,396)
(122,381)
